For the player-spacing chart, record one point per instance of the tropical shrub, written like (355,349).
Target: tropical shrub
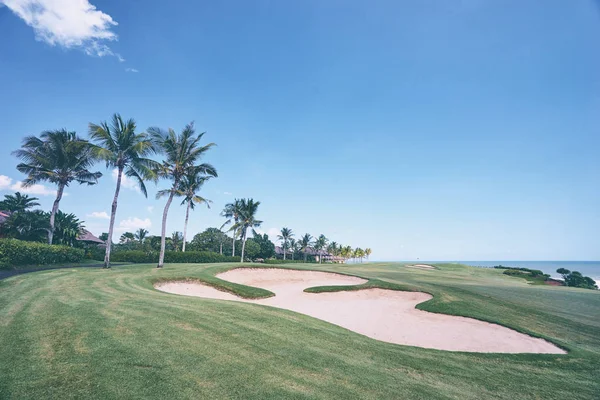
(138,256)
(273,261)
(14,253)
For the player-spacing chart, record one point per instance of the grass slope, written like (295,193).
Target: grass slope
(108,334)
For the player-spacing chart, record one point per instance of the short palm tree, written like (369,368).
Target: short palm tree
(294,247)
(18,202)
(368,252)
(232,213)
(67,228)
(285,236)
(182,153)
(122,148)
(59,157)
(141,234)
(188,188)
(176,238)
(247,219)
(320,245)
(305,243)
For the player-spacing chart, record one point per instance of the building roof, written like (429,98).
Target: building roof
(86,236)
(4,216)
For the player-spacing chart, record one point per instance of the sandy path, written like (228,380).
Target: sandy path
(386,315)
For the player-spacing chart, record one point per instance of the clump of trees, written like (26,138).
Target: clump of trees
(576,279)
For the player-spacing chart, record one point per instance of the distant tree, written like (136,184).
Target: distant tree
(305,243)
(122,148)
(563,272)
(18,202)
(182,152)
(141,234)
(247,219)
(177,239)
(320,245)
(59,157)
(190,185)
(293,247)
(232,214)
(368,252)
(267,248)
(104,236)
(127,237)
(252,249)
(211,239)
(285,236)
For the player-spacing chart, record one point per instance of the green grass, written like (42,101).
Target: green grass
(108,334)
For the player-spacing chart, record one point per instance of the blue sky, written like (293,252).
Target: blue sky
(423,129)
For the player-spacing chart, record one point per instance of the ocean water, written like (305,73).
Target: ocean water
(587,268)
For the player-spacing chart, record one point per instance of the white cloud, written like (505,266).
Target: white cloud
(41,190)
(150,209)
(99,214)
(68,23)
(227,193)
(131,70)
(126,182)
(134,223)
(5,182)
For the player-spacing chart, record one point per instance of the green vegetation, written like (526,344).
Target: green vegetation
(533,276)
(122,148)
(102,334)
(14,253)
(576,279)
(138,256)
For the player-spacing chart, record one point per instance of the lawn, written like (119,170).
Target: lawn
(108,334)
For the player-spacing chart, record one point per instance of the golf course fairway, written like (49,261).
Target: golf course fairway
(107,334)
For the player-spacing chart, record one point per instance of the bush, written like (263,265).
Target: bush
(273,261)
(14,252)
(139,256)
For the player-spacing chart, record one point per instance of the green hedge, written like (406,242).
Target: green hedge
(275,262)
(14,252)
(139,256)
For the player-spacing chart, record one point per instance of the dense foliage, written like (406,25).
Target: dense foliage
(576,279)
(15,252)
(139,256)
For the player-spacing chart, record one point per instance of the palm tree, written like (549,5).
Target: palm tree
(247,219)
(188,188)
(141,234)
(18,202)
(123,149)
(59,157)
(176,237)
(182,152)
(332,248)
(305,243)
(320,244)
(286,235)
(293,247)
(66,229)
(126,237)
(232,213)
(368,252)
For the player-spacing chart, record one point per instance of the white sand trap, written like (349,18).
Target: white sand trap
(386,315)
(420,266)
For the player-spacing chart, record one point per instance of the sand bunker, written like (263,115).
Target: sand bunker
(420,266)
(385,315)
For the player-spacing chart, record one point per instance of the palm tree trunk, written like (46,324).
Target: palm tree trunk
(305,255)
(187,215)
(283,251)
(233,244)
(113,213)
(59,193)
(292,254)
(221,248)
(163,241)
(243,245)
